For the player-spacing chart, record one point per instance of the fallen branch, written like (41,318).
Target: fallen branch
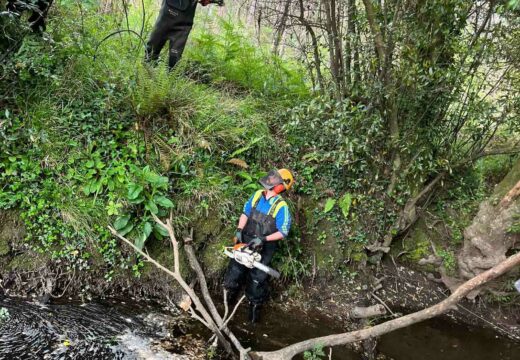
(511,195)
(194,263)
(205,316)
(382,303)
(346,338)
(226,320)
(222,325)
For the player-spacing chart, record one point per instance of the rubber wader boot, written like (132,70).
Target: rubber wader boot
(232,298)
(254,313)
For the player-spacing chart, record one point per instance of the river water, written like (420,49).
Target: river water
(436,339)
(107,330)
(115,330)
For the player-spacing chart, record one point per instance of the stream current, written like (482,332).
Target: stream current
(115,330)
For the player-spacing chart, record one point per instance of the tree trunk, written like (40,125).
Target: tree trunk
(315,45)
(376,32)
(280,29)
(488,239)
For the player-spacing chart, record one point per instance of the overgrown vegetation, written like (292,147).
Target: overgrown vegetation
(90,141)
(410,97)
(380,122)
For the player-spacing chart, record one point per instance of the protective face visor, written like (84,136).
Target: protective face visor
(272,179)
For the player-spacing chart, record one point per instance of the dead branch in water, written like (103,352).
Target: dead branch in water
(222,323)
(359,335)
(210,318)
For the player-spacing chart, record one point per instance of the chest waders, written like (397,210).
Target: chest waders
(173,24)
(257,284)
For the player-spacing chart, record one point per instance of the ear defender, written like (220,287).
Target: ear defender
(278,189)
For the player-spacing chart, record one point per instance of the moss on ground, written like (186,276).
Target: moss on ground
(416,245)
(507,183)
(214,260)
(5,248)
(320,241)
(11,231)
(28,261)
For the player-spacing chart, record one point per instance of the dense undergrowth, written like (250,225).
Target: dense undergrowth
(91,136)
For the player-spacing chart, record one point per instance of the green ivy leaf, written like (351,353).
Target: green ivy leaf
(344,204)
(134,190)
(121,222)
(155,179)
(159,229)
(329,205)
(163,201)
(139,200)
(126,229)
(139,242)
(147,230)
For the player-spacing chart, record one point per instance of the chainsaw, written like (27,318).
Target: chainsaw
(249,258)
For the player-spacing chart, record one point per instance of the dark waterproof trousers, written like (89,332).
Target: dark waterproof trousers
(174,25)
(256,281)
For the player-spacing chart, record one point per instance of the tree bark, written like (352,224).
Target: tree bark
(315,45)
(346,338)
(280,29)
(376,32)
(488,239)
(335,52)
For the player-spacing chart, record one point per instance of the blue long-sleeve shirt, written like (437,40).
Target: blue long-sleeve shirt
(283,217)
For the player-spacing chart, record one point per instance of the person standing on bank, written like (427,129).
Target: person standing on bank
(265,221)
(174,25)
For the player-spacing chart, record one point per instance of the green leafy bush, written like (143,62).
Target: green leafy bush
(229,59)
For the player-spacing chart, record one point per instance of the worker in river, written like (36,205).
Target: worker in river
(265,221)
(174,25)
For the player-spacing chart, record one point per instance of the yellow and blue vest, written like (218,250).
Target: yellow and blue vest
(269,216)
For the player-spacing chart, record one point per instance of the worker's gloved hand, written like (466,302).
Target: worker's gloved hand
(238,237)
(257,243)
(205,2)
